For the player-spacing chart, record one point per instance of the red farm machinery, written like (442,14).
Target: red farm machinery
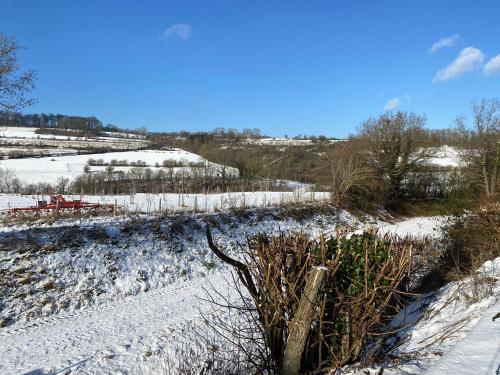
(58,203)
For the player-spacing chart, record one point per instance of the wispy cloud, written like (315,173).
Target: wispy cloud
(394,103)
(468,60)
(493,66)
(447,41)
(179,31)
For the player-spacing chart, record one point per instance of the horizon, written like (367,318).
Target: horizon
(286,68)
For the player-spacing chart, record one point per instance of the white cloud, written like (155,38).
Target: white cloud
(396,102)
(447,41)
(493,66)
(178,31)
(468,60)
(392,104)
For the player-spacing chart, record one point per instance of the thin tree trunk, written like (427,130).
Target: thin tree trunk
(486,182)
(494,174)
(301,322)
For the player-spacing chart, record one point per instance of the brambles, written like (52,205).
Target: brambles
(367,281)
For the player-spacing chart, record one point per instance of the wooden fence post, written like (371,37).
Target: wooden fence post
(301,321)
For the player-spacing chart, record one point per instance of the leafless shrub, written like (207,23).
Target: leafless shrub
(367,285)
(470,241)
(352,178)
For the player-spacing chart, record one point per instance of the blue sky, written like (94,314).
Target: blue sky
(286,67)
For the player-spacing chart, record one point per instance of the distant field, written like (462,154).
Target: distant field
(20,136)
(49,169)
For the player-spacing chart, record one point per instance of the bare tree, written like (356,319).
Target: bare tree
(481,146)
(8,180)
(14,85)
(396,142)
(62,184)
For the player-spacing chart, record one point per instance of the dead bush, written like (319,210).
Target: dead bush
(471,240)
(353,181)
(364,283)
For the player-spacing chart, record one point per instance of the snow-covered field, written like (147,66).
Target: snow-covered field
(30,133)
(280,141)
(27,136)
(34,151)
(164,203)
(49,169)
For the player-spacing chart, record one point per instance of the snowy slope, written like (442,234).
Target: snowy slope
(30,133)
(446,156)
(449,331)
(109,337)
(27,138)
(148,332)
(478,352)
(113,329)
(49,169)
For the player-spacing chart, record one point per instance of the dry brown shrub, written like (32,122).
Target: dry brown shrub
(352,180)
(471,240)
(367,286)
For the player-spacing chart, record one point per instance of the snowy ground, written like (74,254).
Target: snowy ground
(49,169)
(30,133)
(86,303)
(163,203)
(142,321)
(27,136)
(446,156)
(35,151)
(451,331)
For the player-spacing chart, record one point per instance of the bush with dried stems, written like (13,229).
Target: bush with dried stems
(323,304)
(471,240)
(352,179)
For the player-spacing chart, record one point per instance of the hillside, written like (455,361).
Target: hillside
(139,304)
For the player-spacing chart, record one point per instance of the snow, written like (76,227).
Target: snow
(281,141)
(170,202)
(478,352)
(107,336)
(30,133)
(275,141)
(429,226)
(446,156)
(144,326)
(49,169)
(23,136)
(450,331)
(114,330)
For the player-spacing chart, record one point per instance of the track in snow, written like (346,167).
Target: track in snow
(68,340)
